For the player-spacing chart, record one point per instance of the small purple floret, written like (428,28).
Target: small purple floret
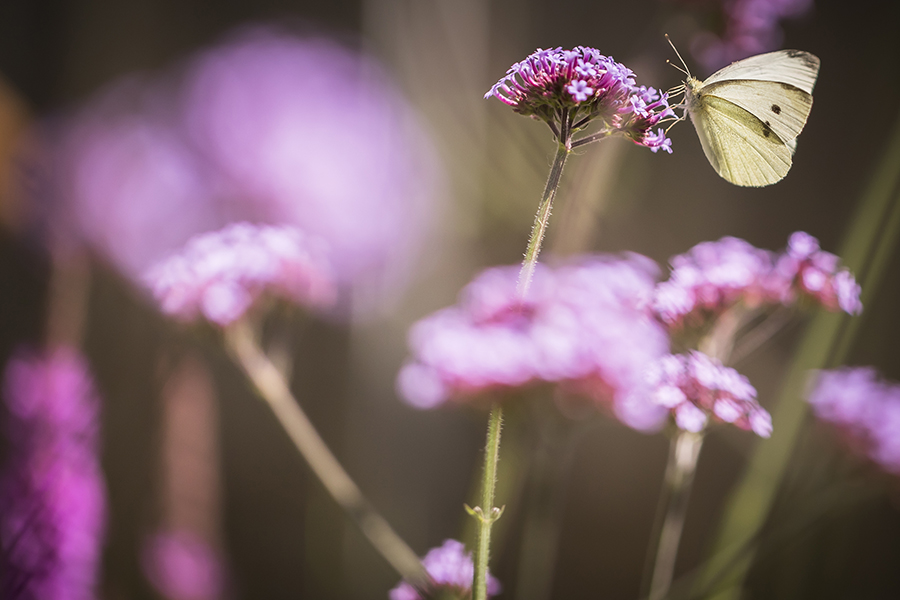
(451,569)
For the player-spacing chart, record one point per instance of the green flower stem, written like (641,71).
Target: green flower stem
(272,388)
(487,513)
(542,219)
(684,452)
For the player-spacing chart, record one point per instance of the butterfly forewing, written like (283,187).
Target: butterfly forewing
(782,107)
(794,67)
(740,147)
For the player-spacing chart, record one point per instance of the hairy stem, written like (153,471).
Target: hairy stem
(486,513)
(272,388)
(542,219)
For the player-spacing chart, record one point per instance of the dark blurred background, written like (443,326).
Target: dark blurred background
(282,536)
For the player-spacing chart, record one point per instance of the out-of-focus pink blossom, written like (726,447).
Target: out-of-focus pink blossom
(451,569)
(865,408)
(265,127)
(317,136)
(696,387)
(747,27)
(220,275)
(714,276)
(182,566)
(52,496)
(582,326)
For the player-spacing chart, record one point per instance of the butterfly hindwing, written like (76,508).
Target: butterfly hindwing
(782,107)
(739,146)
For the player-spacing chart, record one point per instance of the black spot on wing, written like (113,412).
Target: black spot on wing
(776,109)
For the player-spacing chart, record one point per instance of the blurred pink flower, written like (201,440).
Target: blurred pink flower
(182,566)
(714,276)
(265,127)
(865,408)
(582,326)
(221,274)
(695,387)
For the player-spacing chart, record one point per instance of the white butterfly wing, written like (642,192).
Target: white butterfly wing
(740,147)
(782,107)
(793,67)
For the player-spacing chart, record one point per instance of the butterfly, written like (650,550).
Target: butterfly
(748,115)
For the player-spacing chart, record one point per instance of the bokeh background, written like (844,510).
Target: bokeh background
(278,533)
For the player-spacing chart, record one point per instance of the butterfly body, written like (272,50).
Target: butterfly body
(748,115)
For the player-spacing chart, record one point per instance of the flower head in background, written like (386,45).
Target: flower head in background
(266,127)
(865,408)
(317,136)
(182,566)
(696,387)
(52,495)
(451,568)
(806,271)
(714,276)
(711,277)
(569,88)
(742,28)
(582,326)
(222,274)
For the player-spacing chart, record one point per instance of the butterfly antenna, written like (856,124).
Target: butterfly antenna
(686,71)
(671,64)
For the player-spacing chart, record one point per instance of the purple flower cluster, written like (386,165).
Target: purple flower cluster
(182,566)
(695,387)
(713,276)
(451,568)
(582,326)
(585,85)
(749,27)
(266,127)
(220,275)
(865,408)
(52,495)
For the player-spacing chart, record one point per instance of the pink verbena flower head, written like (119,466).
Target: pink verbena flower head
(710,278)
(865,408)
(805,271)
(747,27)
(182,566)
(319,137)
(695,387)
(222,274)
(582,326)
(451,569)
(714,276)
(567,88)
(264,127)
(52,495)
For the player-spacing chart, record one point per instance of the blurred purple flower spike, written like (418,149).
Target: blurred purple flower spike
(582,326)
(266,127)
(52,495)
(317,136)
(451,569)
